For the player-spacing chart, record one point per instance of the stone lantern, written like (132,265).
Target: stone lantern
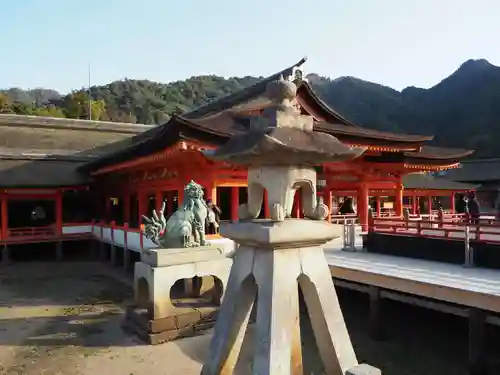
(278,256)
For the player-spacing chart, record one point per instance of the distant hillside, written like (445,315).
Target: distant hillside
(461,111)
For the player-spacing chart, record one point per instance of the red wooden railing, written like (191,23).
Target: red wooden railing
(35,232)
(449,227)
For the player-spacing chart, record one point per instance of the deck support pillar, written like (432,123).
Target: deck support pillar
(126,258)
(114,260)
(94,248)
(59,251)
(102,251)
(376,319)
(5,255)
(477,355)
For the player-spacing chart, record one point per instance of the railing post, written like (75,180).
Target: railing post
(469,251)
(406,216)
(126,251)
(371,221)
(101,241)
(440,217)
(141,239)
(113,247)
(349,235)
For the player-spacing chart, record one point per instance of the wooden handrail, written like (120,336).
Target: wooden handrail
(437,229)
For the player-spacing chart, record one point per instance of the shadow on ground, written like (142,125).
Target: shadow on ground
(417,341)
(73,310)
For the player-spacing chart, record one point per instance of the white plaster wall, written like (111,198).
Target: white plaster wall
(119,237)
(77,229)
(106,235)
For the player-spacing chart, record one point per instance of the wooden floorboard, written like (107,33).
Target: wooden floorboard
(474,287)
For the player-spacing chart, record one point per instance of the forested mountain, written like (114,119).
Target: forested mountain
(463,110)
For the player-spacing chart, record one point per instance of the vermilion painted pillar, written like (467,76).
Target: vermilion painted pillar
(235,202)
(429,205)
(180,197)
(141,205)
(327,198)
(59,213)
(363,205)
(414,205)
(296,205)
(211,193)
(378,207)
(5,216)
(399,200)
(452,197)
(267,210)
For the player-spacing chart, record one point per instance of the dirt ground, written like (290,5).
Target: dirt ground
(66,319)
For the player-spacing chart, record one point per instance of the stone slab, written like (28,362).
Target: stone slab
(186,316)
(275,234)
(363,369)
(171,257)
(189,322)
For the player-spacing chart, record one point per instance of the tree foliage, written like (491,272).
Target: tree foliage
(461,111)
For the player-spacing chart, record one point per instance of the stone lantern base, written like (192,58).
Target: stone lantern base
(273,260)
(154,317)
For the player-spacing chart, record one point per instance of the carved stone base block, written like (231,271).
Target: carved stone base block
(205,271)
(186,323)
(160,269)
(275,259)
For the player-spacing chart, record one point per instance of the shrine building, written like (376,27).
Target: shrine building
(57,173)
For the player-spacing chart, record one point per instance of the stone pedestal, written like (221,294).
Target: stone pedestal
(154,317)
(275,259)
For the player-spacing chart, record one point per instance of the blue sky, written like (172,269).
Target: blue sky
(49,43)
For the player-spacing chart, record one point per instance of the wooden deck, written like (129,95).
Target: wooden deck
(471,287)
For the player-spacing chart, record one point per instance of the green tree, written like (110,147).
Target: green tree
(5,104)
(49,111)
(98,108)
(74,104)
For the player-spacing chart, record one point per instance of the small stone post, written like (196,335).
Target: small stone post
(5,255)
(279,255)
(469,251)
(59,251)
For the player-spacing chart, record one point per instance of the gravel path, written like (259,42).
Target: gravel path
(65,319)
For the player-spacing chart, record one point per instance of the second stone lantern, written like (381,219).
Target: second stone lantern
(278,256)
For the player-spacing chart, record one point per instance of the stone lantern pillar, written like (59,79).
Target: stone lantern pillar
(277,256)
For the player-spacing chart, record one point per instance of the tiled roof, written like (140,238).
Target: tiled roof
(432,152)
(40,173)
(479,170)
(427,182)
(41,151)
